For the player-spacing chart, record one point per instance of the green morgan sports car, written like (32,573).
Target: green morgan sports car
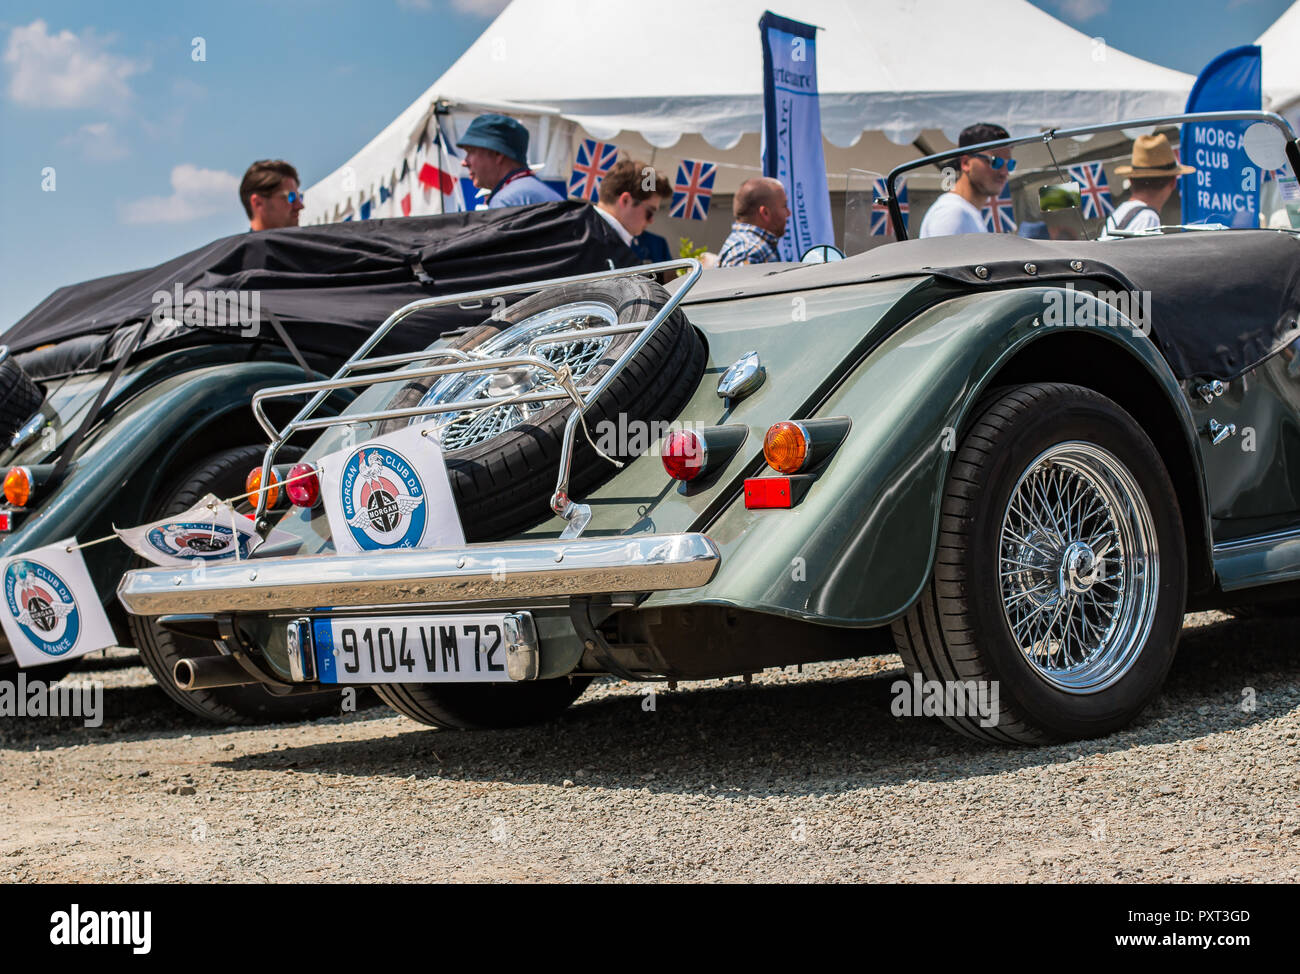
(125,399)
(1015,461)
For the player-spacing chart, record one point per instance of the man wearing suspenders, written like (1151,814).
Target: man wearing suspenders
(1153,177)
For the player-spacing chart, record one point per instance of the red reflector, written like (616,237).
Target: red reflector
(763,492)
(4,521)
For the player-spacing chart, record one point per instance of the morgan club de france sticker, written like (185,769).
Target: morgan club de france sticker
(390,492)
(211,530)
(51,610)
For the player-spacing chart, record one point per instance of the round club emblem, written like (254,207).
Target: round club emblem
(198,539)
(43,606)
(383,499)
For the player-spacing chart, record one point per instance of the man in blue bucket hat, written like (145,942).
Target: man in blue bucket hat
(496,153)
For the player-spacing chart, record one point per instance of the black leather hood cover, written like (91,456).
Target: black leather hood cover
(1220,301)
(330,286)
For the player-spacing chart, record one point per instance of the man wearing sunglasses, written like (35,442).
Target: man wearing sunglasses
(270,194)
(982,176)
(630,195)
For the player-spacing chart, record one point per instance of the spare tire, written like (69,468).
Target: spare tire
(20,397)
(503,461)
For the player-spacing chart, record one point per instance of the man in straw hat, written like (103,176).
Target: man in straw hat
(1153,177)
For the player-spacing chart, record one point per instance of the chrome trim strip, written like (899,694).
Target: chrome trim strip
(505,570)
(1259,541)
(1258,560)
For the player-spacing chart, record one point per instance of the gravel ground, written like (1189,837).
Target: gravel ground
(799,777)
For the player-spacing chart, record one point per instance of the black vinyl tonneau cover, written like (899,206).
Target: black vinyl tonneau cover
(332,285)
(1221,300)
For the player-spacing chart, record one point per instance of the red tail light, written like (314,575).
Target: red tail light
(302,485)
(684,455)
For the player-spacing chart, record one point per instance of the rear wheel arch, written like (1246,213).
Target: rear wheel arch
(1112,368)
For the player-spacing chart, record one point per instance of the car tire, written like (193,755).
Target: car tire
(1006,578)
(504,482)
(20,397)
(221,474)
(483,706)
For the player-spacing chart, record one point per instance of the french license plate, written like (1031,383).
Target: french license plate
(417,649)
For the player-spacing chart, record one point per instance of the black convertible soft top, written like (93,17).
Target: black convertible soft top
(1221,300)
(332,285)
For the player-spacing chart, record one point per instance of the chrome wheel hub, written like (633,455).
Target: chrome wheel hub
(459,430)
(1078,567)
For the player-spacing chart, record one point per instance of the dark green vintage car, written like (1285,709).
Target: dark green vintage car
(126,399)
(1015,461)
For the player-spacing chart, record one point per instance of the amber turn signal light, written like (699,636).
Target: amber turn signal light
(253,482)
(18,486)
(786,447)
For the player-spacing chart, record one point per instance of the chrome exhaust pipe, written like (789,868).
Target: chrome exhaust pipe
(209,672)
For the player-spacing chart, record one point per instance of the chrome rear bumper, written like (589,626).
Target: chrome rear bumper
(484,572)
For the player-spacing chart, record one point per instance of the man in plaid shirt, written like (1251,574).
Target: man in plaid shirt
(761,215)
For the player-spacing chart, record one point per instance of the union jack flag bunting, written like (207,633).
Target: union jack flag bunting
(880,211)
(1091,177)
(692,190)
(1000,217)
(594,160)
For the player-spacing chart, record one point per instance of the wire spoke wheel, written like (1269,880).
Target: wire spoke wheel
(1078,567)
(465,429)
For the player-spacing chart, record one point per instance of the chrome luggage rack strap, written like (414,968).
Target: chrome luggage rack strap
(577,515)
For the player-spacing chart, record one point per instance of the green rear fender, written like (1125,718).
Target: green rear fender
(859,547)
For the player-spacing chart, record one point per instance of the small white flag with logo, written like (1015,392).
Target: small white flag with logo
(211,530)
(51,609)
(390,492)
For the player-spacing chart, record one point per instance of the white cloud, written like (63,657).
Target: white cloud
(99,141)
(65,70)
(196,193)
(1083,9)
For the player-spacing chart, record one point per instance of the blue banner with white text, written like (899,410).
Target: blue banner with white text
(792,131)
(1225,187)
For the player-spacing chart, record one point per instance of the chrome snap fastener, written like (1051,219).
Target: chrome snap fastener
(1076,266)
(1031,268)
(981,272)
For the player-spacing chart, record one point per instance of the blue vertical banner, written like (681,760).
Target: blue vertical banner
(1225,187)
(792,131)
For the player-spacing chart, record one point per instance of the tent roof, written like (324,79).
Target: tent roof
(894,65)
(686,66)
(1280,44)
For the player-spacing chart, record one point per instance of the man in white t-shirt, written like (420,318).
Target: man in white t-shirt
(1152,179)
(982,176)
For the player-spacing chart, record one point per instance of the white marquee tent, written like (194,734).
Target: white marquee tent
(683,79)
(1281,52)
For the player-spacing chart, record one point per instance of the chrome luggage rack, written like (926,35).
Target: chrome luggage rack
(577,516)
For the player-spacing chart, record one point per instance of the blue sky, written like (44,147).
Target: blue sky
(147,143)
